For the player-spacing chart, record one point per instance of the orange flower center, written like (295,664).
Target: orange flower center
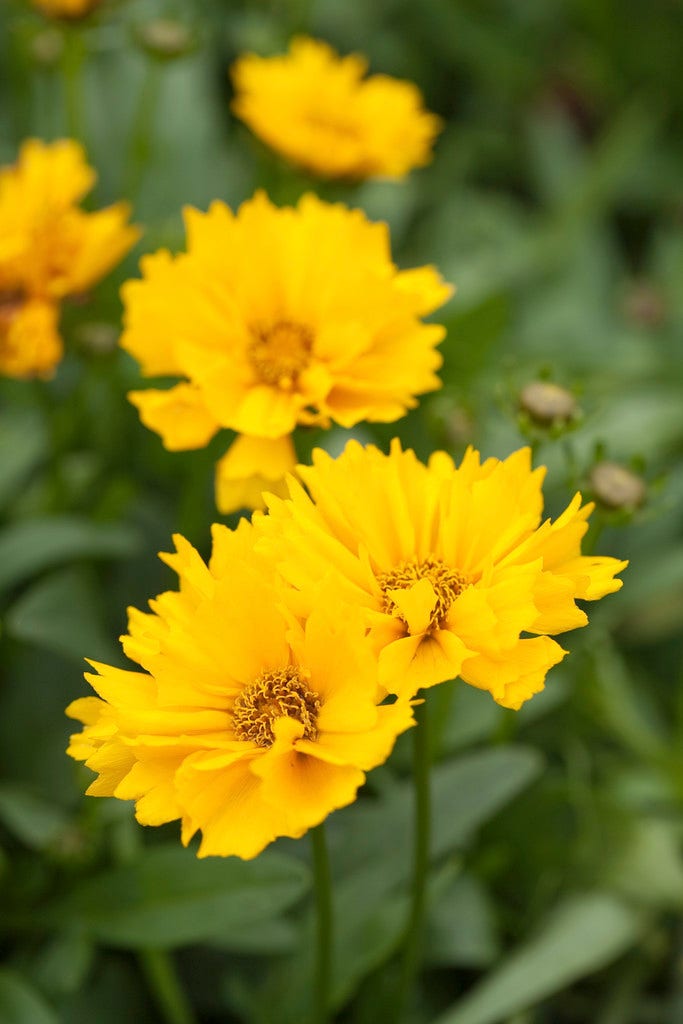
(280,694)
(447,583)
(279,353)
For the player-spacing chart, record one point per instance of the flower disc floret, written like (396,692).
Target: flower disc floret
(283,693)
(454,569)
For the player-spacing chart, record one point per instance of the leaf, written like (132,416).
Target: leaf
(169,898)
(31,547)
(60,613)
(461,926)
(22,447)
(371,882)
(466,792)
(21,1004)
(648,868)
(34,820)
(585,933)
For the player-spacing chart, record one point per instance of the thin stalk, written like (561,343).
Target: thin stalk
(168,994)
(323,899)
(72,74)
(142,129)
(414,935)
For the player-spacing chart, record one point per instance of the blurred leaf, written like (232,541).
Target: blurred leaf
(36,545)
(371,879)
(471,337)
(170,898)
(61,613)
(585,933)
(22,447)
(649,868)
(461,926)
(21,1004)
(34,820)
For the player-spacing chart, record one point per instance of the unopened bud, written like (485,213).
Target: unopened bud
(47,47)
(617,487)
(98,338)
(166,38)
(547,404)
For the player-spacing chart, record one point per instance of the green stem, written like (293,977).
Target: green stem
(323,899)
(157,965)
(159,970)
(413,941)
(72,73)
(141,135)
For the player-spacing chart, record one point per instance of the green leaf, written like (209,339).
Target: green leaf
(22,447)
(34,820)
(461,926)
(21,1004)
(648,868)
(61,613)
(32,547)
(585,933)
(169,898)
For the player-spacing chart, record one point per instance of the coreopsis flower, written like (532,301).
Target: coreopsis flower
(453,567)
(278,317)
(243,724)
(55,248)
(318,110)
(66,9)
(30,345)
(49,249)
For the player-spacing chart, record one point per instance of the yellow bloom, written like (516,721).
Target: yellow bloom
(251,466)
(243,724)
(278,317)
(318,111)
(30,345)
(452,567)
(54,248)
(66,8)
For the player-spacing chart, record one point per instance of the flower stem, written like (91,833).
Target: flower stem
(72,73)
(323,898)
(160,972)
(413,940)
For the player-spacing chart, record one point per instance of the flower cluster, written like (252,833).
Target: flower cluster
(264,696)
(277,317)
(49,249)
(319,112)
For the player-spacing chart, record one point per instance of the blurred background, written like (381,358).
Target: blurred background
(554,203)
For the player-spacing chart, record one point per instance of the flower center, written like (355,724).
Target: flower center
(448,584)
(280,694)
(279,353)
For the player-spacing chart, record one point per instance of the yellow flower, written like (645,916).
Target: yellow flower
(30,345)
(240,485)
(243,724)
(452,567)
(66,8)
(317,110)
(278,317)
(54,248)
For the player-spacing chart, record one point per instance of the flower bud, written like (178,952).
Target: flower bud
(547,404)
(166,38)
(616,487)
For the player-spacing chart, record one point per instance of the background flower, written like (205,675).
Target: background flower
(278,317)
(319,111)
